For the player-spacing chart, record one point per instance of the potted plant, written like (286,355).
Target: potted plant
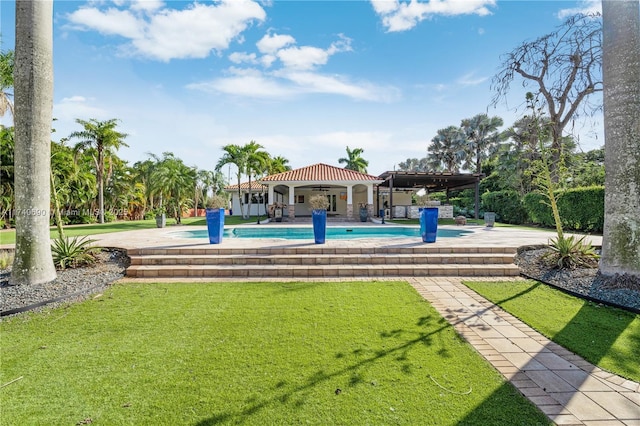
(319,204)
(364,212)
(278,211)
(214,215)
(161,217)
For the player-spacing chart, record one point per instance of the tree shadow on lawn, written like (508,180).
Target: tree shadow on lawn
(562,383)
(296,395)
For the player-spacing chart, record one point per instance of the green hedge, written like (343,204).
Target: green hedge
(581,209)
(507,206)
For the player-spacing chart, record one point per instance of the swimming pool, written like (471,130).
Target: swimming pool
(333,232)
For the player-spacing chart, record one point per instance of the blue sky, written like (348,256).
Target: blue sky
(303,78)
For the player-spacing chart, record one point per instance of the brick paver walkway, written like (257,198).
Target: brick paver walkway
(570,390)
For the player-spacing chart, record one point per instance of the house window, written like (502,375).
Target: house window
(300,199)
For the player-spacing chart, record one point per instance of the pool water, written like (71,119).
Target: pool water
(333,232)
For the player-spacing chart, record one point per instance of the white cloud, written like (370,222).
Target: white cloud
(384,7)
(109,22)
(254,83)
(470,79)
(249,83)
(70,108)
(308,57)
(305,57)
(402,16)
(297,74)
(240,57)
(147,5)
(311,82)
(267,60)
(272,43)
(586,7)
(162,33)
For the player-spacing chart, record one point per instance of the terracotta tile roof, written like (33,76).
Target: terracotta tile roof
(255,186)
(320,173)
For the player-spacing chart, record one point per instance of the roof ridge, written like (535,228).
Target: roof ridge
(307,173)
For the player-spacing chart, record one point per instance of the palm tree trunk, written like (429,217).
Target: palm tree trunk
(33,263)
(250,196)
(240,203)
(101,184)
(621,70)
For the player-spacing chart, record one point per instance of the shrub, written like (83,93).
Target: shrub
(73,252)
(82,219)
(569,252)
(319,202)
(507,205)
(581,209)
(109,216)
(537,209)
(217,202)
(6,259)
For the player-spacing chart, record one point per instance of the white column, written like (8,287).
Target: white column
(271,194)
(369,194)
(292,203)
(349,194)
(292,195)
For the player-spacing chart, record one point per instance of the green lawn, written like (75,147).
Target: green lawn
(8,236)
(251,353)
(606,337)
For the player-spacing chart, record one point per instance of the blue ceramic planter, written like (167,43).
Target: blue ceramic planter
(429,224)
(319,218)
(215,225)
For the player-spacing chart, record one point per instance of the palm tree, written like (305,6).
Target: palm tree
(33,262)
(7,150)
(621,34)
(277,165)
(447,149)
(75,180)
(142,175)
(414,165)
(173,181)
(6,82)
(257,162)
(482,138)
(99,139)
(354,160)
(236,155)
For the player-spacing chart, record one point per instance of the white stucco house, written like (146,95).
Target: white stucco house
(346,190)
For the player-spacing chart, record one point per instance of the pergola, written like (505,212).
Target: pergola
(432,182)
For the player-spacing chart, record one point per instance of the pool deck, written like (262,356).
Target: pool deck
(568,389)
(480,237)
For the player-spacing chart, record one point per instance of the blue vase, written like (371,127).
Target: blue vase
(215,225)
(429,224)
(319,218)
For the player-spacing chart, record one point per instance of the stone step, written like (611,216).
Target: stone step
(325,259)
(318,250)
(318,271)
